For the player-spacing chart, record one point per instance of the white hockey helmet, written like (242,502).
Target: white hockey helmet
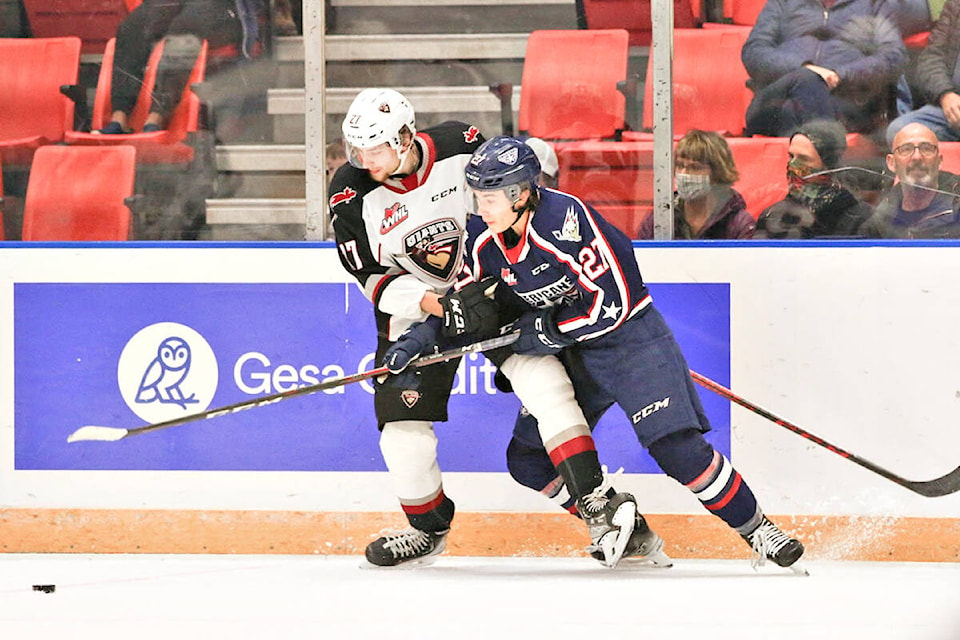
(375,117)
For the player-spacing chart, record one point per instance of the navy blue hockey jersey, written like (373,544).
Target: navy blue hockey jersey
(568,256)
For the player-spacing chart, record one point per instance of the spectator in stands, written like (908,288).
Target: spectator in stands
(822,59)
(336,157)
(924,202)
(549,164)
(706,207)
(816,204)
(184,24)
(283,20)
(937,78)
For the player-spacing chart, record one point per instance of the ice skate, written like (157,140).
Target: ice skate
(610,521)
(407,547)
(769,542)
(644,547)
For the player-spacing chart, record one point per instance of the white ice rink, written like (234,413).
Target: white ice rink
(184,597)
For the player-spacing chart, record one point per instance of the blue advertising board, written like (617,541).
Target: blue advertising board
(125,355)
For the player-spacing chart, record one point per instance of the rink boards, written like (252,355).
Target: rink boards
(853,342)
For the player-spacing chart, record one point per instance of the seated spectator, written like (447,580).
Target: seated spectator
(816,204)
(822,59)
(918,206)
(184,24)
(336,156)
(706,207)
(284,23)
(549,164)
(937,78)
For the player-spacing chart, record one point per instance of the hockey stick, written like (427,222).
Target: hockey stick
(941,486)
(111,434)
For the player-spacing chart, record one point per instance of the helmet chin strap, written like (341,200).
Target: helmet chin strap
(403,155)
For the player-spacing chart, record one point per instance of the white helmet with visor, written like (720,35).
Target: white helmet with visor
(377,117)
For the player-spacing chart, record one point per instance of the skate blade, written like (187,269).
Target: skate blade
(658,560)
(625,517)
(799,570)
(419,563)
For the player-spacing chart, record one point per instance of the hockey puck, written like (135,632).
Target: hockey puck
(46,588)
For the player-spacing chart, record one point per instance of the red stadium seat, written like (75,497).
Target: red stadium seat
(762,164)
(570,82)
(2,235)
(746,11)
(616,178)
(634,16)
(33,112)
(158,147)
(93,21)
(703,97)
(78,193)
(951,157)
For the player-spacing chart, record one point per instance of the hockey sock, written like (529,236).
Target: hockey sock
(688,458)
(409,449)
(532,467)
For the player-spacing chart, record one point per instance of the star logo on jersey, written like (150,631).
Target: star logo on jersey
(611,311)
(392,216)
(436,248)
(341,197)
(508,277)
(471,134)
(571,227)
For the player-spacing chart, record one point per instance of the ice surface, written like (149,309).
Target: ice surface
(153,596)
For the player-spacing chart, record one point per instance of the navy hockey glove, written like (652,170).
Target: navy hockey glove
(539,334)
(419,339)
(471,310)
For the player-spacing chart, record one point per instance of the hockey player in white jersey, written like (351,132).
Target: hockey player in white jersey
(587,300)
(399,215)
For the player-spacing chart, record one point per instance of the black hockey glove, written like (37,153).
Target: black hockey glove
(419,339)
(471,310)
(539,334)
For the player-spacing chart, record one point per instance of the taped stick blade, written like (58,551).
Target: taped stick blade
(95,433)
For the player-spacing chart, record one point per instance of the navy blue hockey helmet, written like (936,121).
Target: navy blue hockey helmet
(503,162)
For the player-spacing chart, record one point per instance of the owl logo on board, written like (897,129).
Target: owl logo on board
(167,370)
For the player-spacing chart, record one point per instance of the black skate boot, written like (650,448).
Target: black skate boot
(411,546)
(768,542)
(645,546)
(610,521)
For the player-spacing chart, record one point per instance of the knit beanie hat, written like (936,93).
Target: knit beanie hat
(829,138)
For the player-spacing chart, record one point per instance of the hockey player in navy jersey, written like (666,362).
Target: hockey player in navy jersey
(399,214)
(588,302)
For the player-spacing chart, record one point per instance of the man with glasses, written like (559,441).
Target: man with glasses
(923,204)
(938,80)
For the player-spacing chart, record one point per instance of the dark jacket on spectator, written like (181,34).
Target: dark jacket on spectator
(858,39)
(833,212)
(937,63)
(942,221)
(730,221)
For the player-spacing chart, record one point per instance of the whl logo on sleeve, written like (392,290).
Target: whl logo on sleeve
(167,370)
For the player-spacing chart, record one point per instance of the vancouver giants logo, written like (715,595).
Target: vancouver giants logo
(436,248)
(392,216)
(341,197)
(471,134)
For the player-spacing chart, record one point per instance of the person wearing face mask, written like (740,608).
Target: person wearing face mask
(923,204)
(706,206)
(816,205)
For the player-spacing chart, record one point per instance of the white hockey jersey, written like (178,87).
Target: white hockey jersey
(406,236)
